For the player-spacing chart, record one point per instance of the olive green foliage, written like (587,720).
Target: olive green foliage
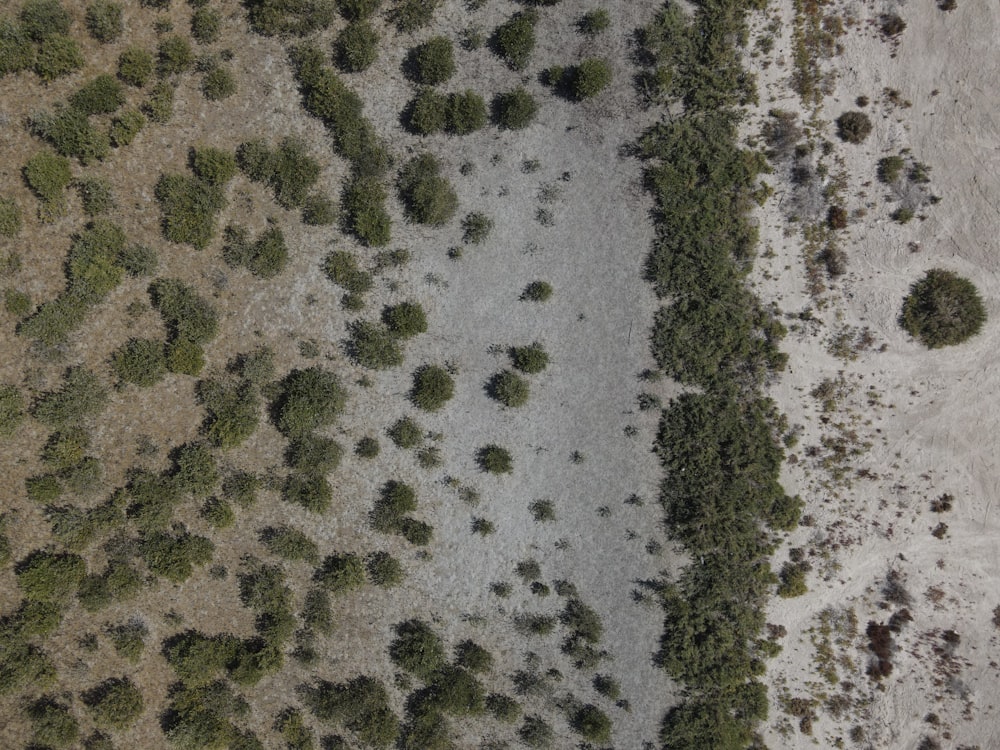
(11,409)
(139,260)
(587,79)
(360,705)
(311,491)
(342,269)
(405,319)
(218,83)
(195,470)
(289,543)
(16,302)
(509,388)
(71,133)
(503,707)
(314,453)
(104,20)
(890,168)
(592,723)
(431,62)
(853,126)
(57,56)
(495,459)
(466,112)
(43,488)
(473,657)
(289,170)
(476,228)
(140,361)
(289,17)
(10,218)
(189,205)
(530,359)
(366,447)
(537,291)
(318,210)
(427,113)
(514,40)
(129,639)
(792,580)
(594,22)
(417,649)
(50,576)
(354,10)
(190,320)
(135,66)
(293,730)
(307,400)
(233,411)
(17,53)
(159,107)
(115,703)
(384,570)
(265,257)
(81,395)
(206,25)
(213,165)
(100,96)
(373,345)
(514,109)
(432,388)
(41,19)
(535,732)
(52,724)
(942,309)
(427,196)
(174,56)
(95,195)
(406,433)
(174,555)
(48,174)
(410,15)
(340,573)
(356,47)
(364,214)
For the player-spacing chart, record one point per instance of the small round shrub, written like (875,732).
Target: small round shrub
(159,107)
(514,110)
(537,291)
(354,10)
(476,228)
(417,649)
(367,447)
(503,707)
(433,387)
(95,195)
(592,723)
(594,22)
(115,703)
(514,40)
(432,62)
(535,733)
(140,361)
(373,346)
(218,512)
(219,83)
(529,359)
(215,166)
(466,112)
(104,20)
(470,655)
(57,56)
(41,19)
(836,217)
(890,168)
(405,319)
(10,218)
(406,433)
(384,569)
(11,409)
(427,113)
(410,15)
(589,78)
(52,725)
(318,210)
(135,66)
(16,302)
(50,576)
(853,126)
(942,309)
(17,53)
(342,269)
(206,25)
(314,453)
(364,214)
(102,95)
(308,400)
(340,573)
(509,388)
(892,25)
(494,459)
(48,174)
(174,56)
(289,543)
(427,196)
(356,47)
(311,491)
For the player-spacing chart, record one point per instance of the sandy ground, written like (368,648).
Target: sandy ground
(930,416)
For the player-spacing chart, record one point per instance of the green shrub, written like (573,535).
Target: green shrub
(792,580)
(189,207)
(342,269)
(241,488)
(135,66)
(43,489)
(57,56)
(503,707)
(10,218)
(188,316)
(115,703)
(410,15)
(594,22)
(41,19)
(364,214)
(361,705)
(174,56)
(195,470)
(81,395)
(854,126)
(72,134)
(174,556)
(476,228)
(509,388)
(537,291)
(384,570)
(65,449)
(11,409)
(416,532)
(405,320)
(289,543)
(52,725)
(159,107)
(366,447)
(128,639)
(104,20)
(206,25)
(280,17)
(50,576)
(433,387)
(213,165)
(432,62)
(355,10)
(466,112)
(427,196)
(588,79)
(530,359)
(100,96)
(233,411)
(185,357)
(356,47)
(427,113)
(515,109)
(942,309)
(417,649)
(308,400)
(311,491)
(17,53)
(514,40)
(395,500)
(374,346)
(218,513)
(96,196)
(592,723)
(890,168)
(318,210)
(340,573)
(265,258)
(406,433)
(16,302)
(48,174)
(535,733)
(219,83)
(314,453)
(494,459)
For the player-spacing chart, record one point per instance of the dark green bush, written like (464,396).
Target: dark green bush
(233,411)
(476,228)
(406,433)
(195,470)
(135,66)
(592,723)
(503,707)
(10,218)
(52,725)
(366,447)
(174,56)
(364,214)
(427,113)
(104,20)
(219,83)
(410,15)
(361,705)
(50,576)
(431,62)
(588,79)
(427,196)
(535,733)
(206,25)
(537,291)
(472,656)
(100,96)
(265,257)
(354,10)
(514,40)
(48,174)
(395,500)
(515,109)
(466,112)
(185,357)
(292,17)
(140,361)
(81,395)
(189,208)
(530,359)
(417,649)
(594,22)
(174,556)
(128,639)
(357,47)
(115,703)
(854,126)
(384,569)
(342,269)
(188,316)
(43,489)
(433,387)
(494,459)
(314,453)
(340,573)
(374,346)
(159,107)
(95,195)
(416,532)
(213,165)
(308,400)
(289,543)
(792,580)
(40,19)
(509,388)
(318,210)
(17,53)
(942,309)
(406,319)
(72,134)
(11,409)
(890,168)
(57,56)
